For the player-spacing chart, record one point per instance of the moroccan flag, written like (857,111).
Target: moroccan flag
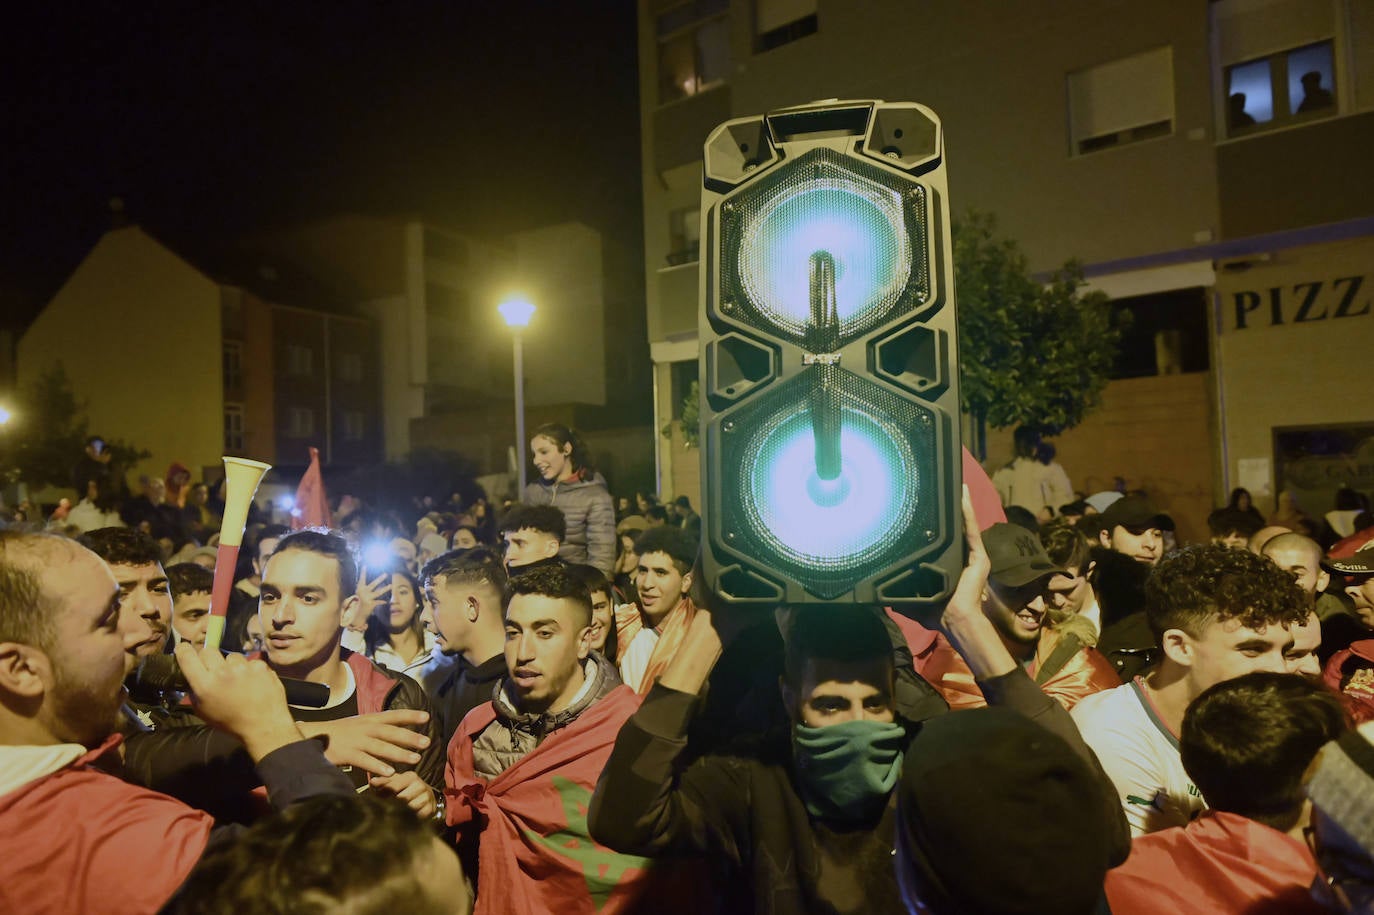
(312,507)
(987,505)
(534,854)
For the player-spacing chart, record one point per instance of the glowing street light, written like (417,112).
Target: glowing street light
(5,416)
(517,313)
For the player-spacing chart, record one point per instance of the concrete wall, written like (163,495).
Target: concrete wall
(138,332)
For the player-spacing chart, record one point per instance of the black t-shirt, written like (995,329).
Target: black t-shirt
(345,709)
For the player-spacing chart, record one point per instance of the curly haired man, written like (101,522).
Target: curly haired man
(1216,613)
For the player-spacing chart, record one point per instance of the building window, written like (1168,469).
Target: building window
(300,360)
(302,422)
(233,365)
(350,367)
(448,302)
(233,427)
(684,236)
(1279,89)
(693,48)
(779,22)
(353,425)
(1121,102)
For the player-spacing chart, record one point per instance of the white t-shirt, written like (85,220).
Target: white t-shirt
(1141,757)
(634,658)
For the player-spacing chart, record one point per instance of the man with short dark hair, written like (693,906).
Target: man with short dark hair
(1246,743)
(649,632)
(804,822)
(1217,613)
(309,583)
(145,603)
(1233,528)
(1301,557)
(363,854)
(464,609)
(603,607)
(76,839)
(522,767)
(190,585)
(532,533)
(1133,527)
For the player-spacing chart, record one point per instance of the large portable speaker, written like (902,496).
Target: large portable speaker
(829,361)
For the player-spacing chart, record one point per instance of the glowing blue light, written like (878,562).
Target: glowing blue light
(826,524)
(860,226)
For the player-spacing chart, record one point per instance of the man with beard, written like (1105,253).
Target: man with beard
(75,839)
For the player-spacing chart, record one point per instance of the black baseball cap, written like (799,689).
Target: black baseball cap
(1136,514)
(1018,557)
(1362,563)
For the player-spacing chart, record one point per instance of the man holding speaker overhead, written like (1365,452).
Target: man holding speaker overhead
(807,823)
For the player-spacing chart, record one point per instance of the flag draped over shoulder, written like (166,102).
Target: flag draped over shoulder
(312,506)
(534,854)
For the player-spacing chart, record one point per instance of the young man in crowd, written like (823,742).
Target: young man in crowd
(464,610)
(603,607)
(77,840)
(649,632)
(190,585)
(1018,597)
(1232,528)
(1131,526)
(532,534)
(1246,744)
(1301,557)
(522,767)
(1069,549)
(308,585)
(1216,613)
(806,824)
(1357,572)
(243,599)
(145,602)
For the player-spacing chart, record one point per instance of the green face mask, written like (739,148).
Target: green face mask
(847,771)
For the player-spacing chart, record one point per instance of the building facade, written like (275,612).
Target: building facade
(191,365)
(1206,162)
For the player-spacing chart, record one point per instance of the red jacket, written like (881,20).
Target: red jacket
(535,855)
(1220,862)
(80,840)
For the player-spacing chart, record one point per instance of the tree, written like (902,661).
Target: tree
(49,433)
(1030,354)
(691,417)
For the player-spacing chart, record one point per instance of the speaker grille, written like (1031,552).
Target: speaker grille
(829,535)
(825,203)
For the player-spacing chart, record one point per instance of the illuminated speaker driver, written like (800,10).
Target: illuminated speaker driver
(829,534)
(824,204)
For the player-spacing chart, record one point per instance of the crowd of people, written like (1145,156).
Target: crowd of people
(543,709)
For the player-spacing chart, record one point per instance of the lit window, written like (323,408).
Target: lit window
(693,48)
(1121,102)
(233,427)
(1280,89)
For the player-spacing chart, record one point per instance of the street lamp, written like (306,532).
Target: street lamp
(517,313)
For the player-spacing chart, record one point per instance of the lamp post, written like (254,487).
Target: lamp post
(517,313)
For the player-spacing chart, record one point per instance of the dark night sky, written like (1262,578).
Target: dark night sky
(214,120)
